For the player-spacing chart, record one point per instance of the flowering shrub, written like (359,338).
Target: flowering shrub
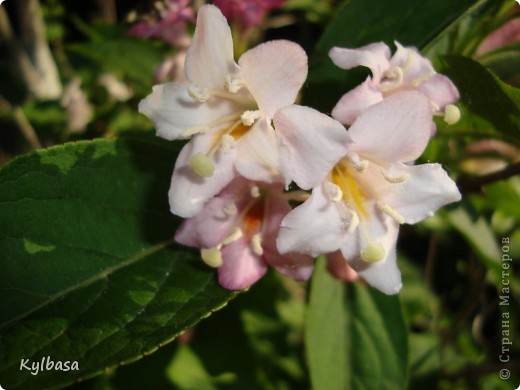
(343,176)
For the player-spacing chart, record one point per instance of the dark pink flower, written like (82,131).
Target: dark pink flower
(236,233)
(170,26)
(248,13)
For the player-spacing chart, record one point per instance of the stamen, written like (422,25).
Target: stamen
(334,192)
(394,78)
(256,244)
(249,117)
(394,179)
(255,192)
(236,234)
(359,165)
(227,142)
(212,257)
(232,86)
(201,165)
(194,130)
(390,211)
(373,252)
(230,209)
(198,93)
(425,77)
(354,222)
(451,114)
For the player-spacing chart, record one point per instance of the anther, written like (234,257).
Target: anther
(256,244)
(201,165)
(199,94)
(249,117)
(373,252)
(451,114)
(230,209)
(227,142)
(393,78)
(255,192)
(334,192)
(395,178)
(194,130)
(232,86)
(212,257)
(236,234)
(390,211)
(359,165)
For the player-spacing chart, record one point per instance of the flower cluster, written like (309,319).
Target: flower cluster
(249,142)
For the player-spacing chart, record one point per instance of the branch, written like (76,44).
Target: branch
(32,55)
(468,185)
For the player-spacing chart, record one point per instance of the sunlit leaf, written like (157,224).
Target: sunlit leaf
(356,337)
(89,269)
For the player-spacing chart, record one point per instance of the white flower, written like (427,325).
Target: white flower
(227,108)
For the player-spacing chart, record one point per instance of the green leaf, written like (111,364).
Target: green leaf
(89,269)
(360,22)
(487,102)
(356,337)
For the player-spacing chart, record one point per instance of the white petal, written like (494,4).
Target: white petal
(188,191)
(294,265)
(374,56)
(383,275)
(173,110)
(395,130)
(257,154)
(210,57)
(311,144)
(313,228)
(427,189)
(274,73)
(354,102)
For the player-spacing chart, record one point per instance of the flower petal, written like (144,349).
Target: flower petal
(311,144)
(257,154)
(414,65)
(380,228)
(208,228)
(313,228)
(440,90)
(188,191)
(173,110)
(427,189)
(274,72)
(395,130)
(241,267)
(294,265)
(354,102)
(210,56)
(374,56)
(340,268)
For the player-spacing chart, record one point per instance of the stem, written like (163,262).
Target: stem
(25,126)
(31,52)
(475,184)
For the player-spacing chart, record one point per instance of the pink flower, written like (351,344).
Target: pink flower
(362,188)
(227,108)
(236,232)
(248,13)
(170,26)
(507,34)
(405,70)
